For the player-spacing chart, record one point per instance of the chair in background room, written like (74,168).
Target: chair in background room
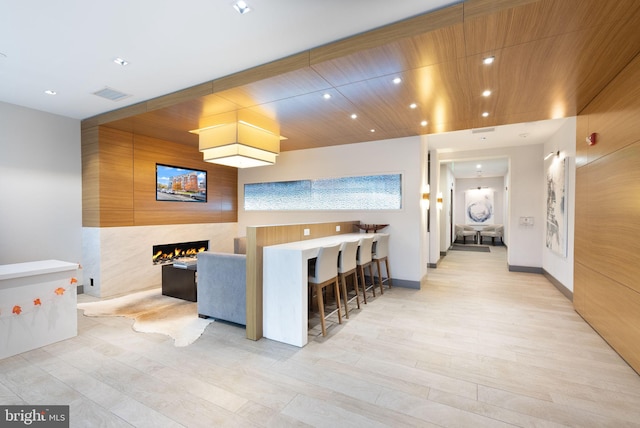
(363,260)
(347,266)
(492,231)
(381,254)
(462,231)
(326,274)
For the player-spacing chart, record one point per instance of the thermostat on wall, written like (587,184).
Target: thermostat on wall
(526,221)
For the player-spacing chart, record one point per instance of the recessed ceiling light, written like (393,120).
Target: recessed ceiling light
(242,7)
(121,61)
(50,92)
(424,123)
(486,93)
(373,130)
(326,96)
(488,60)
(485,114)
(354,116)
(413,105)
(478,166)
(397,80)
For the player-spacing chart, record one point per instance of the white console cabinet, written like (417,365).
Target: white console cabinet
(38,305)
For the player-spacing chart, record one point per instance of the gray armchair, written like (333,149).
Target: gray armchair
(493,232)
(222,286)
(462,231)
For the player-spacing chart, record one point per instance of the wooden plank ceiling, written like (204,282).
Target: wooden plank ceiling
(552,58)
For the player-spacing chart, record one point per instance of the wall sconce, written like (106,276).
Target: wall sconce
(241,139)
(557,153)
(439,201)
(425,199)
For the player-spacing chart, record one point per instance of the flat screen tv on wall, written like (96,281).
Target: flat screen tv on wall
(178,184)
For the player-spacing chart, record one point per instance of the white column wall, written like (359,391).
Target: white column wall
(507,204)
(527,200)
(424,235)
(402,155)
(434,235)
(447,182)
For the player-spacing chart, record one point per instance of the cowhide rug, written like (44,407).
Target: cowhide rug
(153,313)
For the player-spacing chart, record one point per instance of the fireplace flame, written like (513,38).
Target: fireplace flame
(164,254)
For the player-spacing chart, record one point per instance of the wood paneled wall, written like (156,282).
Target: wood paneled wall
(607,227)
(259,237)
(119,182)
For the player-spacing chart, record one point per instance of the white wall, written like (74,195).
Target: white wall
(561,268)
(40,186)
(403,155)
(507,204)
(424,188)
(434,213)
(526,199)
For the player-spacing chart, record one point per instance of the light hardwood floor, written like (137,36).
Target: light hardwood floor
(477,346)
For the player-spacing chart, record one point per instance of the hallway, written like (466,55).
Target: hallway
(477,346)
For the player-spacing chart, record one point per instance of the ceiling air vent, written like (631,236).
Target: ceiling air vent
(111,94)
(480,130)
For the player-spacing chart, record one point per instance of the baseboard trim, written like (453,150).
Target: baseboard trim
(525,269)
(405,283)
(561,288)
(435,265)
(402,283)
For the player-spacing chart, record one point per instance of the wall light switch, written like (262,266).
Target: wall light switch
(307,232)
(337,228)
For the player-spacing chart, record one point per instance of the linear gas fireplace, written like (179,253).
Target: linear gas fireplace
(169,253)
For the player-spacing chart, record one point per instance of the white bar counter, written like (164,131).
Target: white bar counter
(38,305)
(284,286)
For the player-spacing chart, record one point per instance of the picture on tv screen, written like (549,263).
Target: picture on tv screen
(178,184)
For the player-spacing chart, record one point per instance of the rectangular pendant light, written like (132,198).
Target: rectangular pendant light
(241,139)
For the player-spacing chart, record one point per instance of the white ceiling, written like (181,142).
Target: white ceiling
(69,46)
(488,138)
(497,167)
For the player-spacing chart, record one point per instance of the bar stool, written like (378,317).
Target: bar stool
(364,260)
(381,253)
(347,267)
(326,274)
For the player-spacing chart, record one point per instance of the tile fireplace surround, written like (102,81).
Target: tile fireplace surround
(118,259)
